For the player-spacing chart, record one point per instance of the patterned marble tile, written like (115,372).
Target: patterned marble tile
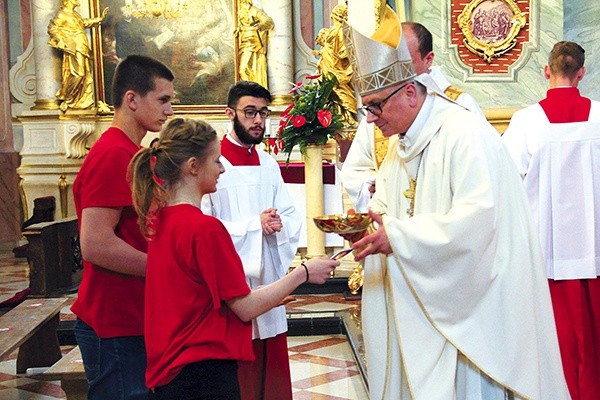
(322,367)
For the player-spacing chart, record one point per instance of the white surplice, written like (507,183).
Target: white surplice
(560,166)
(461,308)
(360,166)
(243,192)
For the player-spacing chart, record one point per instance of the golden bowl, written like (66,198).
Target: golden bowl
(343,223)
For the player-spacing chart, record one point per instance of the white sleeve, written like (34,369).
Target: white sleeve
(291,219)
(245,233)
(515,141)
(358,171)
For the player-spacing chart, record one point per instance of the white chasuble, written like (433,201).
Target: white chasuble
(243,192)
(461,308)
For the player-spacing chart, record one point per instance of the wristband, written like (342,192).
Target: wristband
(305,270)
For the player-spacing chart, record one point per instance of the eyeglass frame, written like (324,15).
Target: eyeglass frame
(251,113)
(370,108)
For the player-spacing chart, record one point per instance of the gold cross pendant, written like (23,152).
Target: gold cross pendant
(410,195)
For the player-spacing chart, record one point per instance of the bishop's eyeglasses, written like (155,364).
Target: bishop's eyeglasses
(377,108)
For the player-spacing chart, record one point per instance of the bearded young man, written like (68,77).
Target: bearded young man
(455,304)
(257,210)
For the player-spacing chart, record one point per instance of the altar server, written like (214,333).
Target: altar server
(556,146)
(254,205)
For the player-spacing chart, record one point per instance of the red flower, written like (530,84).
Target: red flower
(324,117)
(298,121)
(273,145)
(287,110)
(317,76)
(296,87)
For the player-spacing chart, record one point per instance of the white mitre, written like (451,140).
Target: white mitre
(380,57)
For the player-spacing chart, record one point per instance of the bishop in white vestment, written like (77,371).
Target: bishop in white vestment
(455,303)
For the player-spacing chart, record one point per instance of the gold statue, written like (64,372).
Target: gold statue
(253,35)
(355,280)
(334,60)
(67,34)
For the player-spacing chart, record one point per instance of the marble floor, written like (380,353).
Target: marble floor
(323,366)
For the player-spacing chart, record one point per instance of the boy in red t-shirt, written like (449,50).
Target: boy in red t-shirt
(110,302)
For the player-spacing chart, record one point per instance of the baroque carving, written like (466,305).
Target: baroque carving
(491,27)
(23,84)
(76,138)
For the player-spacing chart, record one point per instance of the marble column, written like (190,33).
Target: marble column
(280,55)
(47,63)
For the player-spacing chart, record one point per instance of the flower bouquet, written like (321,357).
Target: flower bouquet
(311,118)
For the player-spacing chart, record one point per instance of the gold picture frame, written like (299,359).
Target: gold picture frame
(198,46)
(491,27)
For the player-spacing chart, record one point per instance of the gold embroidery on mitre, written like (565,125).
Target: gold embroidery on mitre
(381,61)
(453,92)
(381,145)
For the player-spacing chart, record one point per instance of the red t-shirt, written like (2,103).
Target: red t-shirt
(192,268)
(110,302)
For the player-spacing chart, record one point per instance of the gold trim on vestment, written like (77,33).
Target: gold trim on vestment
(380,144)
(453,92)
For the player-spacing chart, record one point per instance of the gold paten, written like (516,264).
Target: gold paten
(343,223)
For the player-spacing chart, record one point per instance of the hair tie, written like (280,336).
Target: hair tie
(160,182)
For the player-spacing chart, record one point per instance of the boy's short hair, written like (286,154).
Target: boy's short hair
(137,73)
(566,58)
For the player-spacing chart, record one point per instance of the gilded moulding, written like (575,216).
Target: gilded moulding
(63,190)
(491,27)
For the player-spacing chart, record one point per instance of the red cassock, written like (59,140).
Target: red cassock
(576,302)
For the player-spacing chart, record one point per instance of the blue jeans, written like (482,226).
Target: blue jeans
(115,368)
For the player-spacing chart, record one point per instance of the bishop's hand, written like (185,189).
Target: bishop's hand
(374,243)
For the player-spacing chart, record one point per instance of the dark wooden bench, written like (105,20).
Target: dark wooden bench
(69,371)
(31,327)
(52,254)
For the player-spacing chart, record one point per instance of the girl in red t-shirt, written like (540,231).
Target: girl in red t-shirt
(198,307)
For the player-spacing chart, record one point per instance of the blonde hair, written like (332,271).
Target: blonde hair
(155,170)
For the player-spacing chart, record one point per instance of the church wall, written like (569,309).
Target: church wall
(580,25)
(548,23)
(527,85)
(499,96)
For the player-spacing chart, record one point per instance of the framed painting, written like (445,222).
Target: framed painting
(198,46)
(491,27)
